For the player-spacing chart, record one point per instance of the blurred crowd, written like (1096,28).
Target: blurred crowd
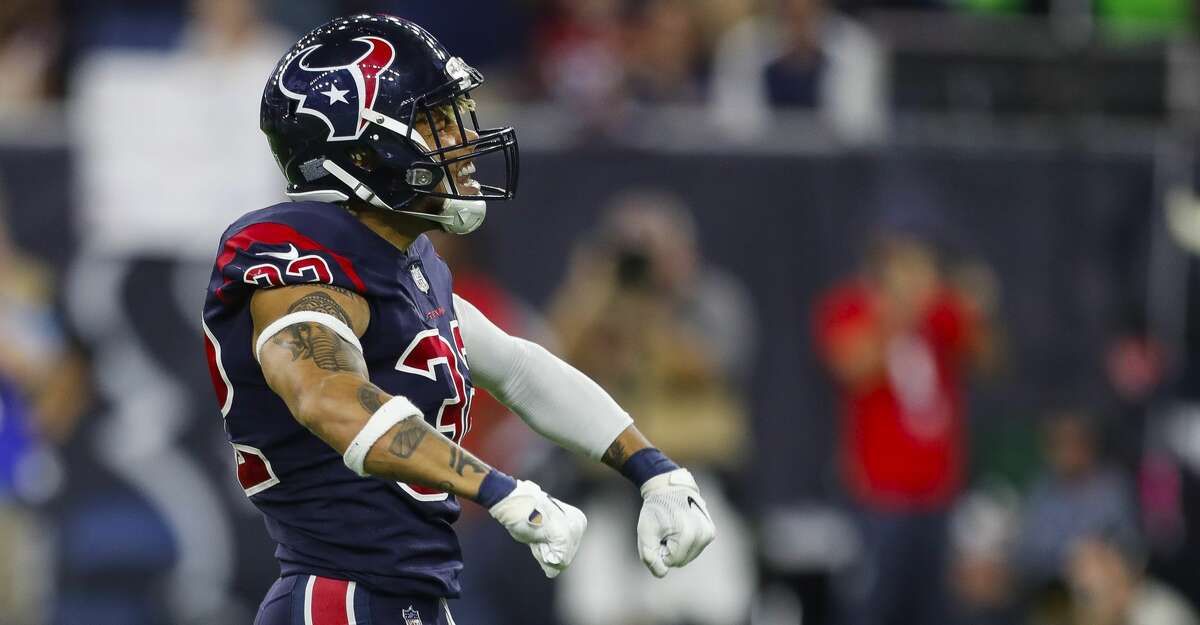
(117,497)
(605,65)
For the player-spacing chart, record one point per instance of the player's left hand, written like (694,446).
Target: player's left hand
(674,526)
(551,527)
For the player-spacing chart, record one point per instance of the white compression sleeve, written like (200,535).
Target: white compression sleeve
(554,398)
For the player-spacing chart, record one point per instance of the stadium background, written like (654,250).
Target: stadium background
(1046,149)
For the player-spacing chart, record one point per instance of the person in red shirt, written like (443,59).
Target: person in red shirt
(897,340)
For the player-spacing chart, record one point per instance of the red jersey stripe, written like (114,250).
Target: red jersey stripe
(279,234)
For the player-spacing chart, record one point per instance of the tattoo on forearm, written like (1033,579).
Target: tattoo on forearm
(322,303)
(615,456)
(370,397)
(315,342)
(412,431)
(461,459)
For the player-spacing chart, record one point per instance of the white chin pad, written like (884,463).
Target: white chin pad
(465,216)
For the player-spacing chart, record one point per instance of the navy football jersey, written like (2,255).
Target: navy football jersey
(390,537)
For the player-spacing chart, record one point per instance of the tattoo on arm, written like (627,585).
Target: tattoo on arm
(412,431)
(615,456)
(370,397)
(335,288)
(322,303)
(461,459)
(315,342)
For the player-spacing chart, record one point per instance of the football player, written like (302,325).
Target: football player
(345,365)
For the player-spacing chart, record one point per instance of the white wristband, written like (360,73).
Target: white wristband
(394,411)
(306,316)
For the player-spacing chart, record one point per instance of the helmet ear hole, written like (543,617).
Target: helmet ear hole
(423,177)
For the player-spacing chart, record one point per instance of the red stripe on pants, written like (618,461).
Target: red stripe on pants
(329,601)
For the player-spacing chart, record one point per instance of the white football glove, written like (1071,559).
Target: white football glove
(551,528)
(674,526)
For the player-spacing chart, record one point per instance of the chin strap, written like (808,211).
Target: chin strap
(360,190)
(457,216)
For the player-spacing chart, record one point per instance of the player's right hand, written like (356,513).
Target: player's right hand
(551,528)
(674,526)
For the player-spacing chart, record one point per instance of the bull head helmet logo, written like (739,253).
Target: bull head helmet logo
(349,89)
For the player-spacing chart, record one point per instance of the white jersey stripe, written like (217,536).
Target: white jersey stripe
(351,619)
(308,593)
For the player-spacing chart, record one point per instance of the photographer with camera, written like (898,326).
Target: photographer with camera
(669,337)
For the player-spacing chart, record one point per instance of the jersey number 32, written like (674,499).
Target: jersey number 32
(427,355)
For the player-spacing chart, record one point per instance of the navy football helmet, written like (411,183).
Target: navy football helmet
(339,111)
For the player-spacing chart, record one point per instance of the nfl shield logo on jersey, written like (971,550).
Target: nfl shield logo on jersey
(423,284)
(411,616)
